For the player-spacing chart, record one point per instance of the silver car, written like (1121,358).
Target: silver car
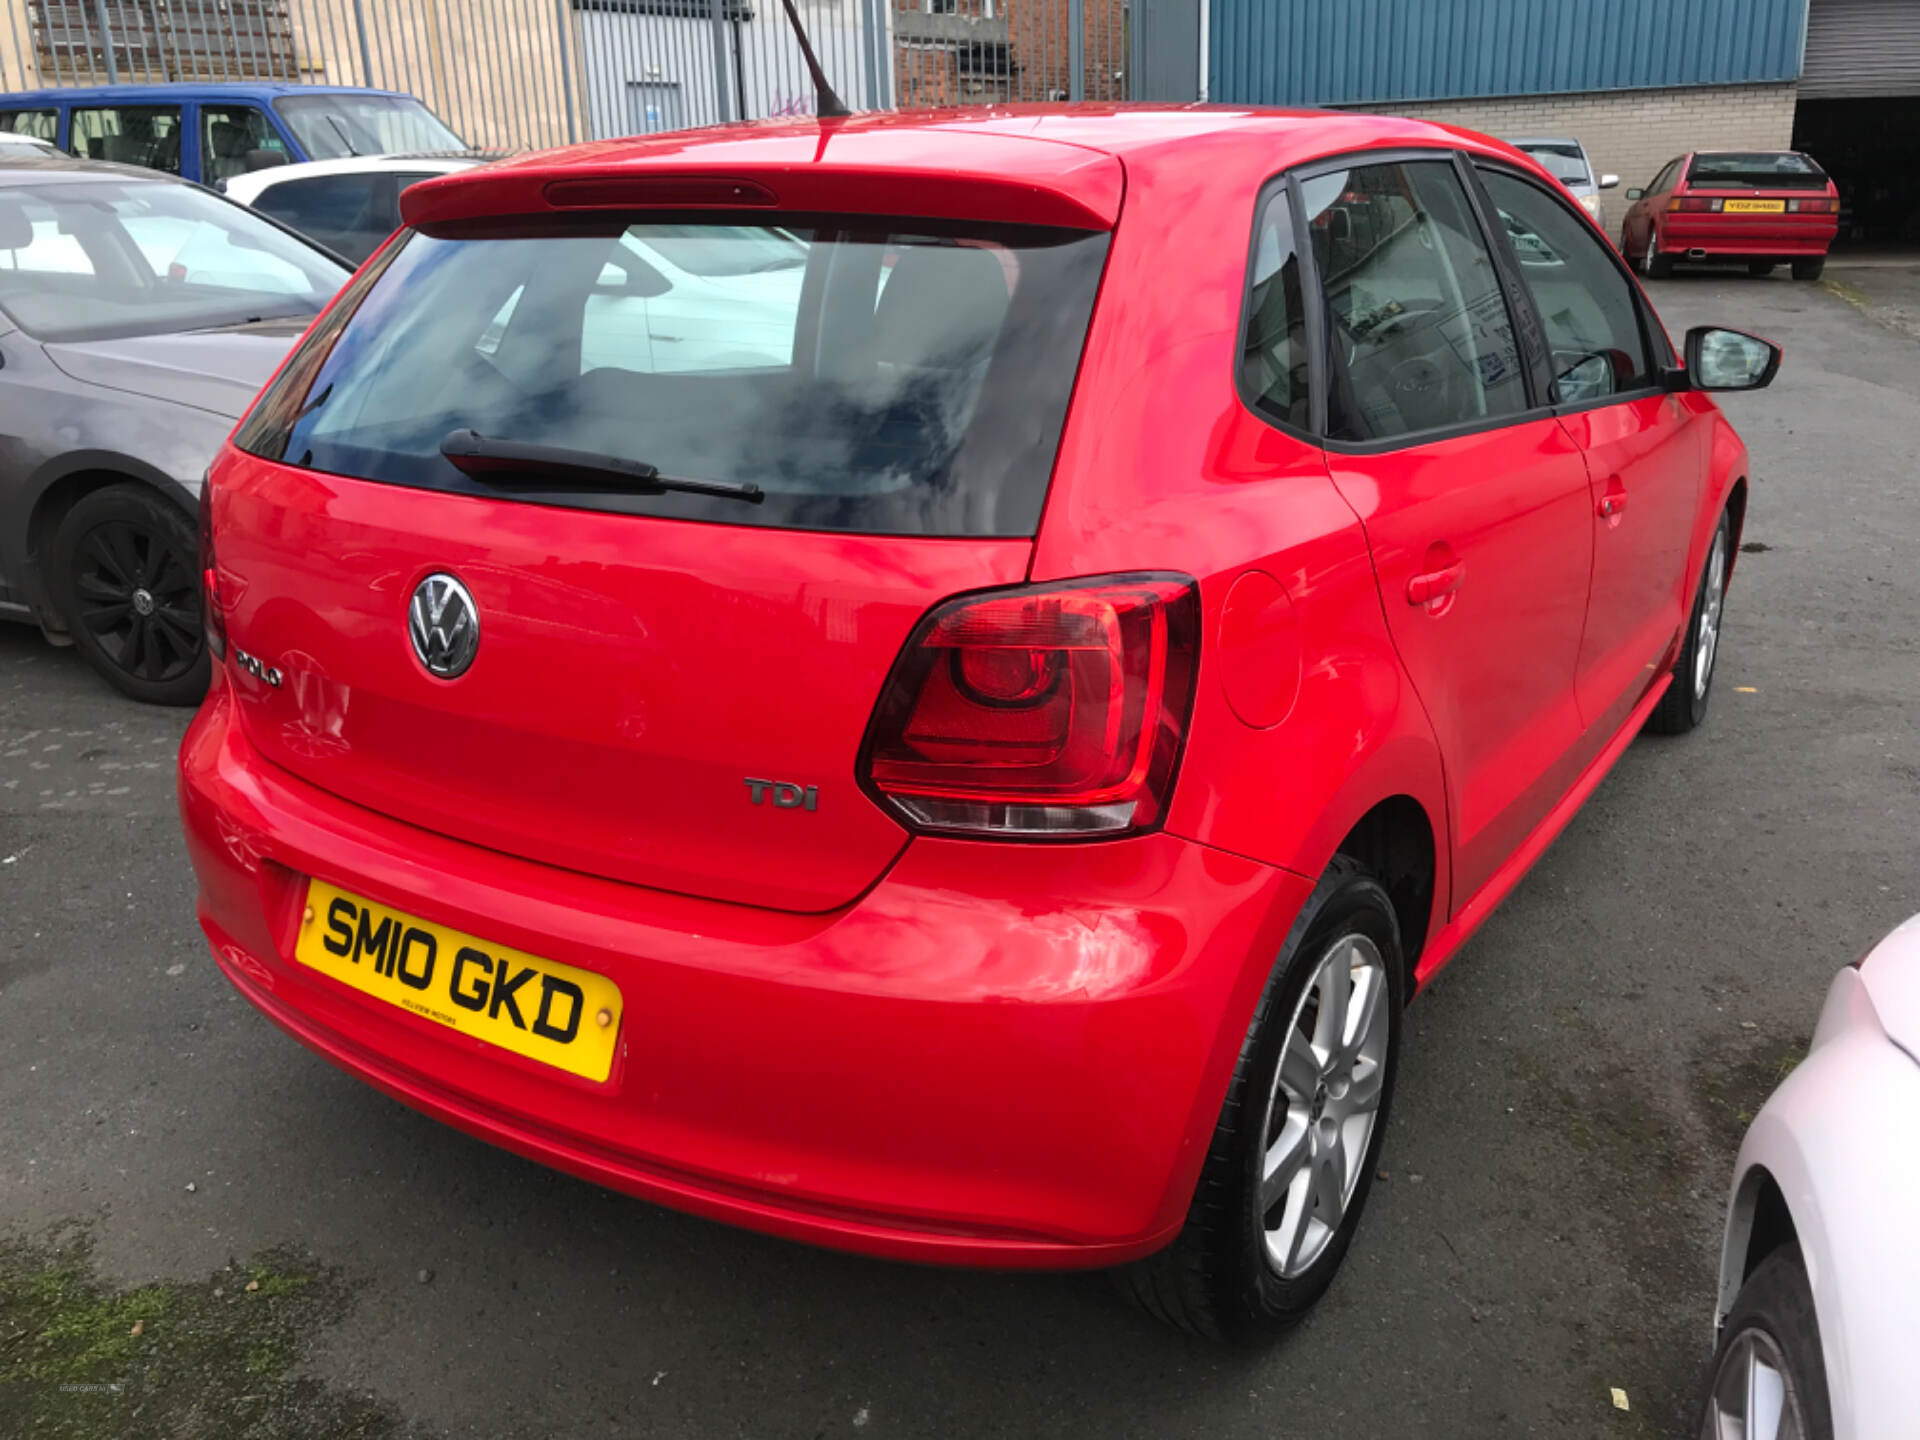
(1568,162)
(139,314)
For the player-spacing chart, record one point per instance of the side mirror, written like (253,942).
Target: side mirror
(1635,193)
(265,159)
(1729,360)
(1607,182)
(628,279)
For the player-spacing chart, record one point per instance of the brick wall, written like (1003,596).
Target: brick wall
(1043,48)
(1629,133)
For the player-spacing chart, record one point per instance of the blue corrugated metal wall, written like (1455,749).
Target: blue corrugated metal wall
(1333,52)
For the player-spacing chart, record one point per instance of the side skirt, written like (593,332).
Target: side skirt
(1470,916)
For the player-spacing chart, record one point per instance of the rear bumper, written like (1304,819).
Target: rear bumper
(1001,1055)
(1761,236)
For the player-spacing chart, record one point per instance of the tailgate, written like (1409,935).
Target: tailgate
(633,676)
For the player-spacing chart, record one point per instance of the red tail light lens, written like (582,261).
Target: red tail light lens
(1694,202)
(1051,710)
(212,618)
(1826,205)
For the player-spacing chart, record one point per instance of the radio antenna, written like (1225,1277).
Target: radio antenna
(826,103)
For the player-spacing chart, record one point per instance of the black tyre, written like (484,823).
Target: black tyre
(1810,269)
(1653,264)
(1760,267)
(1685,704)
(124,570)
(1769,1375)
(1298,1139)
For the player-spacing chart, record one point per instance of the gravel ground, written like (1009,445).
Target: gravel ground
(1570,1101)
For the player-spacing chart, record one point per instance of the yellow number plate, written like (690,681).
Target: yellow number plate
(538,1008)
(1755,207)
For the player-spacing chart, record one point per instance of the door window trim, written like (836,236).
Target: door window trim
(1658,354)
(1528,337)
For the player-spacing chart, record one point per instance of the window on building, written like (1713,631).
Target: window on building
(1586,305)
(1418,332)
(146,135)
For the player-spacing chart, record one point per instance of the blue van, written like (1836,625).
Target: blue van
(210,133)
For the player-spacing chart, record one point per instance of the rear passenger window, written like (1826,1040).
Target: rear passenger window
(146,135)
(1418,333)
(1273,360)
(1586,305)
(41,124)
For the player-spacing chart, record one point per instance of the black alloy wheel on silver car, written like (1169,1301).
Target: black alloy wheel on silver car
(1684,705)
(1769,1376)
(1298,1139)
(125,573)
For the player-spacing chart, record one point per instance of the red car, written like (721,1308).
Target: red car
(1759,206)
(951,725)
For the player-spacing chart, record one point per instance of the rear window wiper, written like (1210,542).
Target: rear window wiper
(522,464)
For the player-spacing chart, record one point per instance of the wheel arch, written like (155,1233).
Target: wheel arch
(1395,839)
(58,488)
(1758,1223)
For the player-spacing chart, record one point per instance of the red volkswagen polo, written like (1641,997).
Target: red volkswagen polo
(934,684)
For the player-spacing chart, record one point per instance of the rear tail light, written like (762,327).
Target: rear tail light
(213,620)
(1825,205)
(1694,202)
(1049,710)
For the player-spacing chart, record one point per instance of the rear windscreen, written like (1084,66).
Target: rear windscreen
(1761,170)
(884,377)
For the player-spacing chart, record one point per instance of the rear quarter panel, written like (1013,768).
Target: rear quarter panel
(1162,466)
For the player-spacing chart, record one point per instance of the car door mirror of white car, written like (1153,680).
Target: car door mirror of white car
(1607,182)
(1635,192)
(627,279)
(1720,359)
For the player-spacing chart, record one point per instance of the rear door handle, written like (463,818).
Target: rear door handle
(1435,585)
(1614,502)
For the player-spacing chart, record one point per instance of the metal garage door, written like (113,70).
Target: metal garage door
(1862,47)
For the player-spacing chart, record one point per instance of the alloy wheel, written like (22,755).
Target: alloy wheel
(1323,1103)
(139,598)
(1752,1398)
(1708,640)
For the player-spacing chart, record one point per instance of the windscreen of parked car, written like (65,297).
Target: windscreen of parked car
(105,259)
(1566,163)
(900,378)
(1763,170)
(334,125)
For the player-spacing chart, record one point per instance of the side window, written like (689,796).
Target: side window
(41,124)
(1418,333)
(1273,361)
(1664,180)
(346,213)
(146,135)
(1586,305)
(229,135)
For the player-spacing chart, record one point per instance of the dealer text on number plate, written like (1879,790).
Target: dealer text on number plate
(544,1010)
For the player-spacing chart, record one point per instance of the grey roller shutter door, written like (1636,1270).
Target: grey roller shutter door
(1861,47)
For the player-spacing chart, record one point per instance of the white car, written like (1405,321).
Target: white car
(29,142)
(1821,1261)
(1567,159)
(676,302)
